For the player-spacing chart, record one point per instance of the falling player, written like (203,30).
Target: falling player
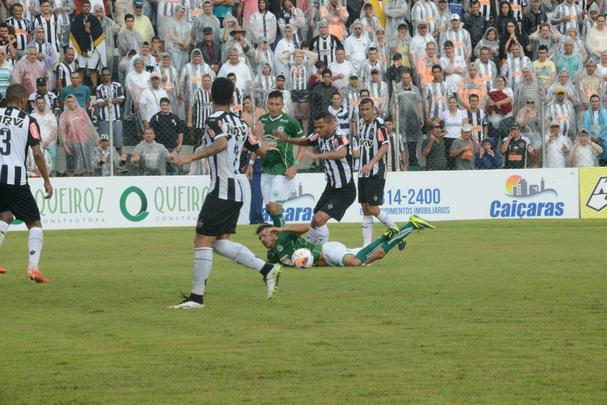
(225,135)
(373,145)
(282,242)
(340,191)
(18,132)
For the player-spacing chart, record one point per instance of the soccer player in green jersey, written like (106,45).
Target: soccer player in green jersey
(279,166)
(281,242)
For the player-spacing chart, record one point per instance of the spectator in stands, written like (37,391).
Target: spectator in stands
(320,98)
(544,69)
(454,67)
(588,84)
(371,63)
(474,22)
(170,129)
(585,151)
(102,155)
(78,137)
(533,18)
(596,38)
(150,158)
(434,148)
(469,85)
(48,132)
(595,122)
(464,150)
(459,37)
(356,45)
(515,149)
(499,108)
(527,88)
(529,121)
(557,148)
(336,16)
(410,115)
(293,16)
(128,38)
(505,16)
(149,103)
(206,20)
(6,71)
(514,63)
(28,69)
(76,89)
(142,25)
(563,82)
(397,157)
(488,158)
(562,111)
(477,118)
(545,36)
(42,91)
(262,23)
(453,119)
(379,93)
(239,68)
(490,41)
(487,69)
(342,69)
(178,38)
(110,94)
(568,60)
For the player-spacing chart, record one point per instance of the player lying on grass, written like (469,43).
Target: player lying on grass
(281,242)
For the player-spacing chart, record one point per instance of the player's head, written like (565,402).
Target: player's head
(366,109)
(222,91)
(267,236)
(324,124)
(16,96)
(275,103)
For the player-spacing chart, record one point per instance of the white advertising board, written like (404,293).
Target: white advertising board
(458,195)
(125,202)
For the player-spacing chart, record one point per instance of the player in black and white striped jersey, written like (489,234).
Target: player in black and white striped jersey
(335,156)
(18,132)
(373,146)
(225,136)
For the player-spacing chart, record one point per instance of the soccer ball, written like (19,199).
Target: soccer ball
(302,258)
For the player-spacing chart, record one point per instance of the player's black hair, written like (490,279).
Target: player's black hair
(222,91)
(15,93)
(275,94)
(326,116)
(262,227)
(367,101)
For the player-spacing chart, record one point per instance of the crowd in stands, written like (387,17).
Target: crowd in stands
(460,85)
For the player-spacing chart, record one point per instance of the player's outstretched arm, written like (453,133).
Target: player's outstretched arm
(340,153)
(218,146)
(299,229)
(302,141)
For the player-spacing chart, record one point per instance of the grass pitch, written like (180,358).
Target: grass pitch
(471,313)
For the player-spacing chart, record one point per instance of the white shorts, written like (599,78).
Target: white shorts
(276,188)
(335,252)
(90,62)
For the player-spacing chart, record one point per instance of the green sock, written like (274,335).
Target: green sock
(367,250)
(405,231)
(277,220)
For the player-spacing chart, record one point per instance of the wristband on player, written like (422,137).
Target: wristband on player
(251,162)
(296,162)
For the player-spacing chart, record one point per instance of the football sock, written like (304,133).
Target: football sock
(238,253)
(364,253)
(367,227)
(404,232)
(312,236)
(386,219)
(203,262)
(277,219)
(323,234)
(34,245)
(3,230)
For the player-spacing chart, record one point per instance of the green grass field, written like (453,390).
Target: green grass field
(470,313)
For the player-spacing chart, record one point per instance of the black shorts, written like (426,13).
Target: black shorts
(335,201)
(20,201)
(218,217)
(299,96)
(371,190)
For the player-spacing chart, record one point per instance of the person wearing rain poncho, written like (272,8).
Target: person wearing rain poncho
(336,16)
(491,41)
(262,23)
(190,78)
(177,40)
(169,78)
(417,46)
(263,83)
(595,121)
(356,45)
(596,39)
(400,44)
(396,12)
(527,88)
(206,19)
(563,81)
(569,60)
(238,41)
(78,137)
(409,103)
(425,11)
(588,83)
(369,22)
(293,16)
